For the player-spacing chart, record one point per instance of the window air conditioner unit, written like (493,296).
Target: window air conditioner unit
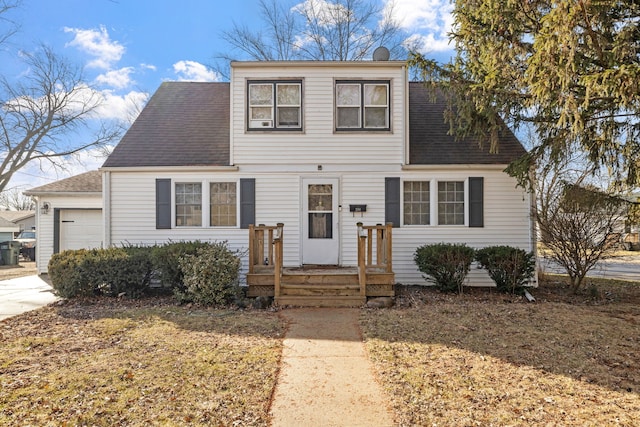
(261,123)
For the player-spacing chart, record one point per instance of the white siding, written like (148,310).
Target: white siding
(44,223)
(506,214)
(317,143)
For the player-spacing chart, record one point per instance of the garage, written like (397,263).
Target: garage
(80,228)
(68,216)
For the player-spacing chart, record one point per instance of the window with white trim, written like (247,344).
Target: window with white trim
(451,203)
(223,207)
(417,203)
(274,105)
(188,198)
(362,105)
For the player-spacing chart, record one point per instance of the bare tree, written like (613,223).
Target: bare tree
(45,111)
(14,200)
(338,30)
(577,221)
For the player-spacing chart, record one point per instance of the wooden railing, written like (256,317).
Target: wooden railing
(370,237)
(265,251)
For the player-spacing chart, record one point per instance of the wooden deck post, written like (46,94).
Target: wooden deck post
(278,253)
(388,248)
(362,269)
(251,248)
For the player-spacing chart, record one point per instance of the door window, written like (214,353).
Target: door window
(320,202)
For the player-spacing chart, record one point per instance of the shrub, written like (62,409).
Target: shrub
(445,264)
(117,271)
(166,261)
(210,276)
(67,276)
(111,272)
(510,268)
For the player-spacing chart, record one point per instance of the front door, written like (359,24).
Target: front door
(320,237)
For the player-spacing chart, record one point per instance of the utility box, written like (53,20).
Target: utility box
(9,251)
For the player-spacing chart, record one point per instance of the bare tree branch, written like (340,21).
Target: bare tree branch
(325,30)
(8,27)
(40,114)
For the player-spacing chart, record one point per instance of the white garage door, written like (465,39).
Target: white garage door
(80,229)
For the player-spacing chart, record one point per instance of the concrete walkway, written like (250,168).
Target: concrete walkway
(326,378)
(24,294)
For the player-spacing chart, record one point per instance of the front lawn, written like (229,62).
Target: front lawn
(134,363)
(478,359)
(488,359)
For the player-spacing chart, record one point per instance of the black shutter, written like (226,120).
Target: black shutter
(476,202)
(163,203)
(247,202)
(56,230)
(392,201)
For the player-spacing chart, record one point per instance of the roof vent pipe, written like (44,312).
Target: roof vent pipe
(381,54)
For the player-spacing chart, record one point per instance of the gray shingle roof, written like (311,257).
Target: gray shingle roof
(88,182)
(429,143)
(183,124)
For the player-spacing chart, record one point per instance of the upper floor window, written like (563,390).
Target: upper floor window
(275,105)
(362,105)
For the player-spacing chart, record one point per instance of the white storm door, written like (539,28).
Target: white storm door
(320,237)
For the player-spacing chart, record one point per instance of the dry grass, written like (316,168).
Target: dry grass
(113,363)
(24,268)
(487,359)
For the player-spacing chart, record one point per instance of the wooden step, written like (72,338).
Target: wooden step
(320,279)
(320,301)
(320,290)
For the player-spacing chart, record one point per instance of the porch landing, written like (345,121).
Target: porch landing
(320,286)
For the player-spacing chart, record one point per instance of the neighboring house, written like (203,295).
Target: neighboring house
(69,215)
(7,230)
(319,147)
(630,229)
(25,220)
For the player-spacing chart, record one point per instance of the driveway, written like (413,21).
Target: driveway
(24,294)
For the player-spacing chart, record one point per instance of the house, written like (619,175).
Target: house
(7,230)
(69,215)
(25,220)
(317,147)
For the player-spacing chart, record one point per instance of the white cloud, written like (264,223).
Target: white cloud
(194,72)
(121,107)
(429,21)
(118,79)
(327,13)
(97,43)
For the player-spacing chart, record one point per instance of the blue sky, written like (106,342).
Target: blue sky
(129,47)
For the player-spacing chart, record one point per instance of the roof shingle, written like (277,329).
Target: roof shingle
(430,144)
(88,182)
(183,124)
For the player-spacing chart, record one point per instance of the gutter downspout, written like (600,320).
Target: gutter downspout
(106,209)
